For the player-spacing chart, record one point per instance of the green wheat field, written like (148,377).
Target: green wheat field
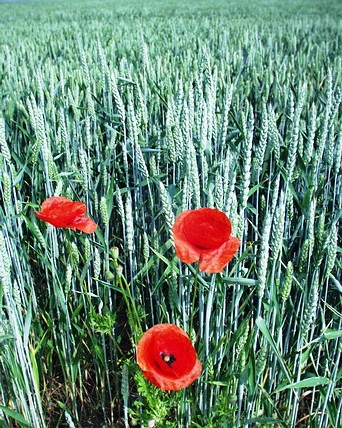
(141,110)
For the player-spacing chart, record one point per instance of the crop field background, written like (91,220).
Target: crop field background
(142,110)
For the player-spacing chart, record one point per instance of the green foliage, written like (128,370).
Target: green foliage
(156,408)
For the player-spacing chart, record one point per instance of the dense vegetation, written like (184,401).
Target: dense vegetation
(142,110)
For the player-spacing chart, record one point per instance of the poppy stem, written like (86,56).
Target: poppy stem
(132,311)
(192,312)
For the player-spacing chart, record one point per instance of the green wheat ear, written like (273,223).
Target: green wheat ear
(332,249)
(287,282)
(166,206)
(5,265)
(311,306)
(264,255)
(278,225)
(39,235)
(7,187)
(96,264)
(103,210)
(5,152)
(87,249)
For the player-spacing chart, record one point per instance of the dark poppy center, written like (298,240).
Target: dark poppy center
(169,359)
(207,228)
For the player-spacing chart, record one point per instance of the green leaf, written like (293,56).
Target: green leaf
(306,383)
(256,187)
(265,421)
(152,260)
(260,322)
(328,334)
(332,334)
(217,383)
(248,282)
(336,283)
(35,370)
(16,416)
(6,337)
(27,325)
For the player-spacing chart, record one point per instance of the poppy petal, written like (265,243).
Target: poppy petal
(214,261)
(166,384)
(207,228)
(60,211)
(204,234)
(51,218)
(60,203)
(63,212)
(84,224)
(185,251)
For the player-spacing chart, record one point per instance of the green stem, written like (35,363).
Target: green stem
(132,311)
(192,313)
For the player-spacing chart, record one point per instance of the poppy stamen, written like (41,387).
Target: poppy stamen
(169,359)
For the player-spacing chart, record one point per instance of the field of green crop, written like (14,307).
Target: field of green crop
(141,110)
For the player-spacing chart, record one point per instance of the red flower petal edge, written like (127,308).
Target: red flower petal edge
(167,358)
(204,234)
(63,212)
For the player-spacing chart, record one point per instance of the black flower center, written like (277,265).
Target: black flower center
(169,359)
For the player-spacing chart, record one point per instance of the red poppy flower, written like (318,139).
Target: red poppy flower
(204,235)
(167,358)
(62,212)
